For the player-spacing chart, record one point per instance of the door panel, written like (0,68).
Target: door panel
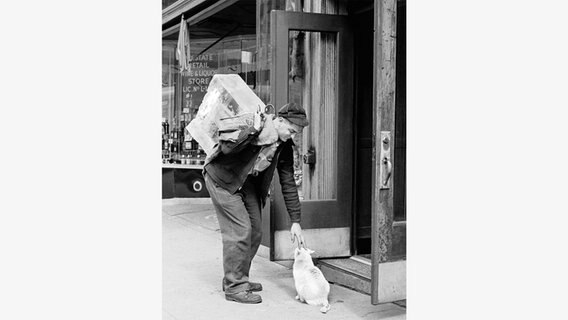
(336,242)
(392,283)
(312,66)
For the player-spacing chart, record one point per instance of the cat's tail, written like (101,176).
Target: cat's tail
(325,307)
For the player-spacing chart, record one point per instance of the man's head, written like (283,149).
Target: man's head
(291,120)
(294,113)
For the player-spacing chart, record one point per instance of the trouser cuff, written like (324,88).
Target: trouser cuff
(238,288)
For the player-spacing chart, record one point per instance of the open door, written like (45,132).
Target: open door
(312,65)
(388,252)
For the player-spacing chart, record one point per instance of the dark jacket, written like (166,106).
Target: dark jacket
(233,161)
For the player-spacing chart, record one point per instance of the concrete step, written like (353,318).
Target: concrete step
(353,272)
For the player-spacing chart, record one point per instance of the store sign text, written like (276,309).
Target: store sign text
(202,69)
(201,57)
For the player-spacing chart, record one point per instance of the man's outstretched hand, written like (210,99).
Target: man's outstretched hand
(296,234)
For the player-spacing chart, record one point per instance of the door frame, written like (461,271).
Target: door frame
(315,22)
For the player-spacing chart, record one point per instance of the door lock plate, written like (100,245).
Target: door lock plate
(385,162)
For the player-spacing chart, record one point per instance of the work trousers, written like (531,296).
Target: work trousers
(239,218)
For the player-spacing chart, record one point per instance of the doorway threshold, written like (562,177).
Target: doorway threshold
(353,272)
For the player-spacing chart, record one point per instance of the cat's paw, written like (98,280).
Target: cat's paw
(325,308)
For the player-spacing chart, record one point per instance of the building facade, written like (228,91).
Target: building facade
(344,61)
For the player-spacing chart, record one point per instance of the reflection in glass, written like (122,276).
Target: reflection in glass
(312,83)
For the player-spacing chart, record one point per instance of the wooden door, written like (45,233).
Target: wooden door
(388,254)
(312,65)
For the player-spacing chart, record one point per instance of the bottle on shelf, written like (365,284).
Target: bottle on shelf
(170,142)
(166,156)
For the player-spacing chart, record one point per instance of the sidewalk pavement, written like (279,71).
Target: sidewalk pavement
(192,273)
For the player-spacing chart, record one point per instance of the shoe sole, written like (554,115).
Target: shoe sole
(241,301)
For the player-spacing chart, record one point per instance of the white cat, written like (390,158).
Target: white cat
(311,285)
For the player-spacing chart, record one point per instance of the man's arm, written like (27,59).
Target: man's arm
(289,190)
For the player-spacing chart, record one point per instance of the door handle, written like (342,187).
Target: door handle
(310,157)
(385,166)
(388,164)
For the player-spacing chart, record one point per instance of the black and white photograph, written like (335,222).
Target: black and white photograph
(284,147)
(333,159)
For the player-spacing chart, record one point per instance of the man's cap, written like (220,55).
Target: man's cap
(294,113)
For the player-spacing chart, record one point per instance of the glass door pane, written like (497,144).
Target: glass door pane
(312,70)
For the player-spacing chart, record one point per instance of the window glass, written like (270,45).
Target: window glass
(182,92)
(168,80)
(312,75)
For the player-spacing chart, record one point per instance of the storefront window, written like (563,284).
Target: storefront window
(168,80)
(182,92)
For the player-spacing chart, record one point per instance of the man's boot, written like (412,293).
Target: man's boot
(243,297)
